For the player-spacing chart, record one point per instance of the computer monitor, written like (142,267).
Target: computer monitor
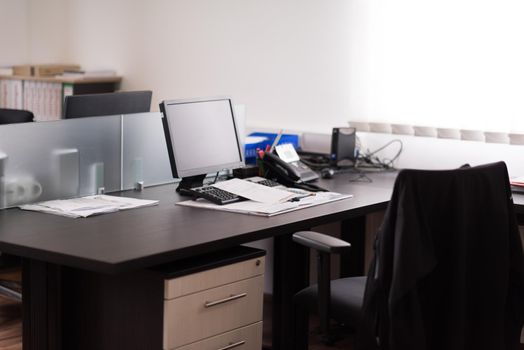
(201,137)
(113,103)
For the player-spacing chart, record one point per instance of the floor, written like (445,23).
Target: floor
(314,343)
(11,329)
(10,324)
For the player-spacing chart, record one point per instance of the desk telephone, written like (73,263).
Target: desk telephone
(286,166)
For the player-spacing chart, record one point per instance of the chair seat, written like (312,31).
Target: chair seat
(347,295)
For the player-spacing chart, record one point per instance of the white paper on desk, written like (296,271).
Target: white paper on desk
(265,209)
(261,208)
(244,207)
(76,204)
(46,210)
(124,202)
(88,206)
(254,191)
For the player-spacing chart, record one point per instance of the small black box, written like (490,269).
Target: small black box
(343,147)
(245,172)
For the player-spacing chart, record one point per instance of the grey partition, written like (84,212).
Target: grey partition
(79,157)
(60,159)
(144,152)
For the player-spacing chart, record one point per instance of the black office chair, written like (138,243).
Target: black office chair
(11,116)
(448,271)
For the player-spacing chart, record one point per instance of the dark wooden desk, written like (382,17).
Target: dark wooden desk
(59,252)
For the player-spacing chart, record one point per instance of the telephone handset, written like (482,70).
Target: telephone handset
(286,168)
(279,168)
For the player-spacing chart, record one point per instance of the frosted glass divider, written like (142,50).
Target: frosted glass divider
(59,159)
(144,152)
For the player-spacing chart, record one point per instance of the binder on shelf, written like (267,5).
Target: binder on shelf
(11,94)
(44,96)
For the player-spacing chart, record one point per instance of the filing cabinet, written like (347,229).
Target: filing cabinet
(218,308)
(208,302)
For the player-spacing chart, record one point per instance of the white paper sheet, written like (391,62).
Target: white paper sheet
(88,206)
(265,209)
(254,191)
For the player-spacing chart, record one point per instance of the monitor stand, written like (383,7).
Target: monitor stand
(190,182)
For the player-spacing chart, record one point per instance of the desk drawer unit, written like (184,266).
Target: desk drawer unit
(220,308)
(245,338)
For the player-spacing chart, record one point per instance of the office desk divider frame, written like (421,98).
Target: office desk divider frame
(80,157)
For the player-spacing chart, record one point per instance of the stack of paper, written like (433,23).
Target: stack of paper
(254,191)
(517,184)
(265,201)
(87,206)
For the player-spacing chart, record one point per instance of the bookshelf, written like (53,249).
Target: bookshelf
(44,96)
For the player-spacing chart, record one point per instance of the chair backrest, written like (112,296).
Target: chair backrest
(10,116)
(448,270)
(112,103)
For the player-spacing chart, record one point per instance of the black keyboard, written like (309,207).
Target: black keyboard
(268,183)
(215,195)
(221,197)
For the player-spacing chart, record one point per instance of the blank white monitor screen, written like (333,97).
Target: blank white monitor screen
(203,136)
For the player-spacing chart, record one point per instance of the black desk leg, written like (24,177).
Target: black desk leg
(520,219)
(290,274)
(41,293)
(353,231)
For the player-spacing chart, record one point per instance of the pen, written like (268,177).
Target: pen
(298,198)
(277,139)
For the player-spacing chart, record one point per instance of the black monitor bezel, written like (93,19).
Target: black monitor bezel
(176,171)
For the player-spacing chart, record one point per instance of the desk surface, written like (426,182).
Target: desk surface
(148,236)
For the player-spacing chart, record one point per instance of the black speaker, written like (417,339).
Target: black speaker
(343,152)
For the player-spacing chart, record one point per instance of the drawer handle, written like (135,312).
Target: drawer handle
(233,345)
(225,300)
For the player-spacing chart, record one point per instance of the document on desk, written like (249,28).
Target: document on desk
(254,191)
(88,206)
(268,209)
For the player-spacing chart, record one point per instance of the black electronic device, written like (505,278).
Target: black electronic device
(343,151)
(113,103)
(279,169)
(221,197)
(263,181)
(214,195)
(287,153)
(285,173)
(327,173)
(201,137)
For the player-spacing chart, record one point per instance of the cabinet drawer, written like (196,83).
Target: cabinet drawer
(213,311)
(245,338)
(200,281)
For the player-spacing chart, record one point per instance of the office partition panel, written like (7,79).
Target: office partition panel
(144,153)
(60,159)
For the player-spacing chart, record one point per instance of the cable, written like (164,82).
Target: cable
(371,161)
(361,177)
(216,178)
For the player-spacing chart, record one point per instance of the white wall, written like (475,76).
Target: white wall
(48,28)
(311,63)
(13,32)
(287,61)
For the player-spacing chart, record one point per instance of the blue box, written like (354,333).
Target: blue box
(250,150)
